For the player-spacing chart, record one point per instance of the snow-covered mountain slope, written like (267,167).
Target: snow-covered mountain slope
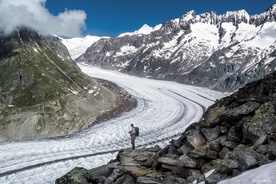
(220,51)
(77,46)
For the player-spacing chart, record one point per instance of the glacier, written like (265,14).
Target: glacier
(163,112)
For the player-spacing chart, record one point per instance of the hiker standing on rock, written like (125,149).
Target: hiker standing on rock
(132,133)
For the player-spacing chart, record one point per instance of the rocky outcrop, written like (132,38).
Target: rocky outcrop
(129,166)
(236,134)
(222,52)
(43,93)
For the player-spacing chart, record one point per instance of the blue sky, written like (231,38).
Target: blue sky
(76,18)
(112,17)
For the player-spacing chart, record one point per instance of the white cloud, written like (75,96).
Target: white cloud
(33,14)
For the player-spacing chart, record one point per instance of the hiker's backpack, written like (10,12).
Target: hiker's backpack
(136,131)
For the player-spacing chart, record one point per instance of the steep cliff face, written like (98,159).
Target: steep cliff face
(236,134)
(219,51)
(43,92)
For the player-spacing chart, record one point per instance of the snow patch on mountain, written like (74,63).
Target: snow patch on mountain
(127,49)
(264,37)
(77,46)
(206,33)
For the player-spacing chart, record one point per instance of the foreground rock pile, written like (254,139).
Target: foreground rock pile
(236,134)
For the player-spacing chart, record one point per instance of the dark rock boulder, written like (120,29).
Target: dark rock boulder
(211,134)
(215,178)
(186,161)
(195,138)
(227,166)
(77,175)
(261,124)
(84,176)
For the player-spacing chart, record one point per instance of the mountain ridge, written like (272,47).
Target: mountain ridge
(188,47)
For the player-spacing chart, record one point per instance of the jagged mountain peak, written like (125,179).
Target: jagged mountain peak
(144,30)
(234,16)
(145,27)
(271,8)
(189,15)
(239,13)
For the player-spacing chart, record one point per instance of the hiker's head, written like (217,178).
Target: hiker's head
(131,125)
